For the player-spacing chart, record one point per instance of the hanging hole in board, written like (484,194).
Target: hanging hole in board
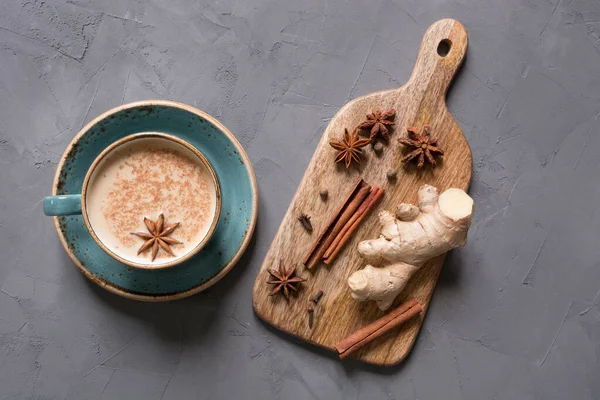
(444,47)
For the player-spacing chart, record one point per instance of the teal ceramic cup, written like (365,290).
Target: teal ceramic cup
(76,204)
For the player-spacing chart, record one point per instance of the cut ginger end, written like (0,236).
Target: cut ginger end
(456,204)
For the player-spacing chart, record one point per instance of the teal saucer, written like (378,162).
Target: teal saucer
(238,191)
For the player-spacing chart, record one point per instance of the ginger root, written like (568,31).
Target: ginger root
(439,224)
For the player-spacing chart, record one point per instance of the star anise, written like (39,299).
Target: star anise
(157,236)
(423,145)
(378,122)
(284,279)
(349,148)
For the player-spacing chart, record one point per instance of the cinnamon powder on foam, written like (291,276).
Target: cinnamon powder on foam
(158,181)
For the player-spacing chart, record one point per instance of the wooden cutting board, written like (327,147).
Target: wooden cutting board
(421,101)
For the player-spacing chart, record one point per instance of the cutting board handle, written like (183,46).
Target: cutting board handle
(441,53)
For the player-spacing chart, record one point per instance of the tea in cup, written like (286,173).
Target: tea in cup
(149,200)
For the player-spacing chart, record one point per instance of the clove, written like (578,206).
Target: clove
(305,221)
(317,297)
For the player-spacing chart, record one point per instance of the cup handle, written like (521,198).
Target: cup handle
(69,204)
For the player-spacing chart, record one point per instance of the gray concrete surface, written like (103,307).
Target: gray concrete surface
(515,314)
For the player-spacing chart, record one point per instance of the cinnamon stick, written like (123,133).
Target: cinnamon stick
(358,193)
(352,225)
(319,242)
(395,318)
(356,202)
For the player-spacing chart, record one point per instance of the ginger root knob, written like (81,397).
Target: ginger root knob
(437,225)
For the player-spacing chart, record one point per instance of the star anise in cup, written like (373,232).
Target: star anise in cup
(349,148)
(423,146)
(378,122)
(158,236)
(284,279)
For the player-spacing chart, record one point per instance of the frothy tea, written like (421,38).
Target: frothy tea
(144,178)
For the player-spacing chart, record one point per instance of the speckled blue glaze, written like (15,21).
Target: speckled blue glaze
(237,187)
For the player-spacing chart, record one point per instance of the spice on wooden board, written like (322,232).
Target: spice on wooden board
(311,310)
(311,316)
(378,148)
(391,174)
(324,193)
(284,279)
(359,191)
(349,148)
(352,225)
(305,221)
(378,328)
(158,236)
(347,214)
(317,297)
(423,146)
(318,249)
(377,122)
(344,223)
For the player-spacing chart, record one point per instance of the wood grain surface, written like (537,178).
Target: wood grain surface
(421,101)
